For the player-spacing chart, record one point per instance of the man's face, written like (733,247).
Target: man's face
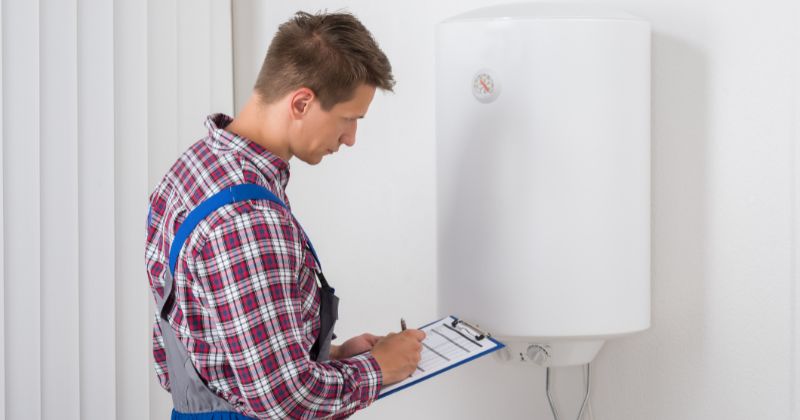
(323,132)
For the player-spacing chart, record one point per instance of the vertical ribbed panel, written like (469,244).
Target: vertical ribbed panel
(220,43)
(131,191)
(60,359)
(96,194)
(2,241)
(162,129)
(21,200)
(195,60)
(87,86)
(204,65)
(796,223)
(247,15)
(162,72)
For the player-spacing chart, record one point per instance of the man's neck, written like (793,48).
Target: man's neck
(260,124)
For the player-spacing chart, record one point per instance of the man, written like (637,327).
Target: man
(245,315)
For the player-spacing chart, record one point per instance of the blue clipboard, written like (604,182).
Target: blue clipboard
(443,336)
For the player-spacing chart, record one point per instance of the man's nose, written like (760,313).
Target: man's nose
(348,140)
(349,136)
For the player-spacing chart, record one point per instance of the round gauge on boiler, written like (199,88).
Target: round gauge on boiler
(485,86)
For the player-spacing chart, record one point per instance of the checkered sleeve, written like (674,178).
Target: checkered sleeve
(249,268)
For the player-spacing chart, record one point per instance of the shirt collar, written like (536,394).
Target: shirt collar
(265,161)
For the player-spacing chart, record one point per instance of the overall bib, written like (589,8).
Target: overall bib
(191,396)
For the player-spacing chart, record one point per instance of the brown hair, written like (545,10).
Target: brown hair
(331,54)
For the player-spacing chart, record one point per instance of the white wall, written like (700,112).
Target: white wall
(725,187)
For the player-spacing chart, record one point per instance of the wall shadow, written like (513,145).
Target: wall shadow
(637,376)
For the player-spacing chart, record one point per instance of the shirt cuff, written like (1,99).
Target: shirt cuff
(371,377)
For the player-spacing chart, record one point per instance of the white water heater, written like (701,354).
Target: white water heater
(543,152)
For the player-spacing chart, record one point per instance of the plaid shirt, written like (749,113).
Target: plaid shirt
(247,300)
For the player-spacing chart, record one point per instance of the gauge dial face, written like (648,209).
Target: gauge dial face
(485,87)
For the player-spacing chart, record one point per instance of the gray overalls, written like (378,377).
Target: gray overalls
(191,396)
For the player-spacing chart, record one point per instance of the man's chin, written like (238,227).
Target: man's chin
(312,160)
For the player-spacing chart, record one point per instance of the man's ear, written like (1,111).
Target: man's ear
(301,102)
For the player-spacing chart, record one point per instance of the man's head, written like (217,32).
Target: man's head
(327,66)
(331,54)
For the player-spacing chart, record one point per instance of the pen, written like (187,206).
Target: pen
(402,324)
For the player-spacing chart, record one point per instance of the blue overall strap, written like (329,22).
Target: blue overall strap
(212,415)
(227,196)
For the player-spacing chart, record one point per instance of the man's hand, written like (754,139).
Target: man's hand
(354,346)
(398,355)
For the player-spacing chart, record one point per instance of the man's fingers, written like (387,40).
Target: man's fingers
(417,334)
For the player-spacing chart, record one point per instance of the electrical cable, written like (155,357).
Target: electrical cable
(549,398)
(587,384)
(586,397)
(589,409)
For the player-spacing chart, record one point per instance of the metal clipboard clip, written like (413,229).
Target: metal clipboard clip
(469,329)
